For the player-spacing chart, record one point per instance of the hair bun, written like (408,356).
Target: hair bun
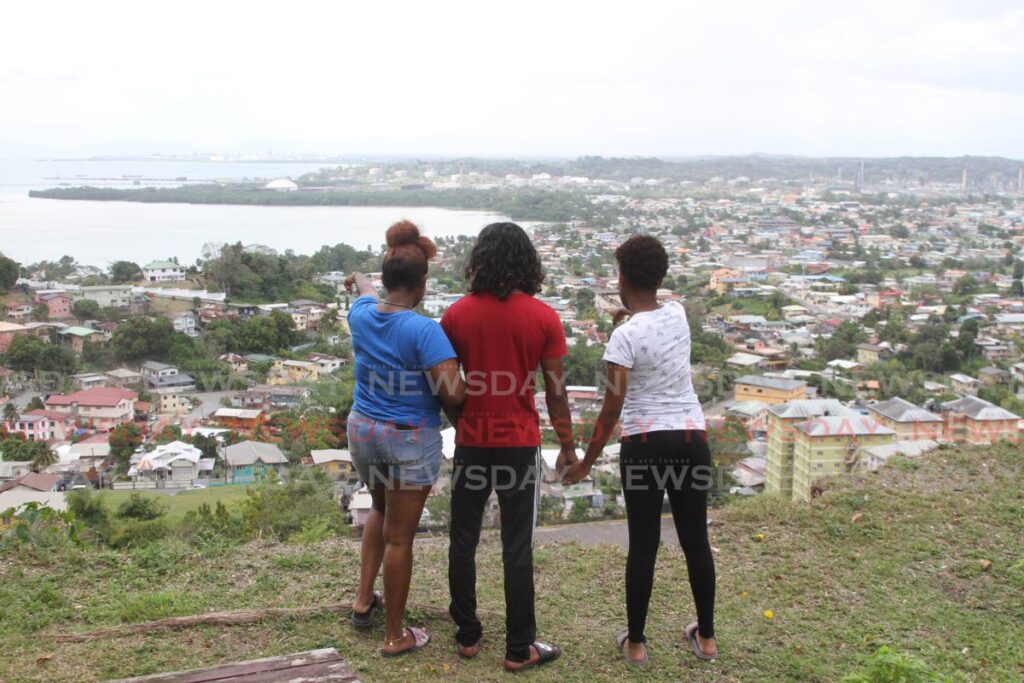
(403,233)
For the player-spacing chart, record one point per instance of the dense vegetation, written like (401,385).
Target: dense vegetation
(524,205)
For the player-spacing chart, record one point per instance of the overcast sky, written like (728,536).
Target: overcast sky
(931,77)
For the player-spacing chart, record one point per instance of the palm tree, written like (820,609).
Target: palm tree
(10,412)
(43,458)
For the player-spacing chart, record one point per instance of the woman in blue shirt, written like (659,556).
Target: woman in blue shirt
(406,371)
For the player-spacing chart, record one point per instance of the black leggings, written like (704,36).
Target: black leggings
(651,464)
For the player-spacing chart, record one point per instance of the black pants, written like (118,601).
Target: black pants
(679,463)
(513,473)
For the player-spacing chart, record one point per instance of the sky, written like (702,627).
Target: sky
(551,78)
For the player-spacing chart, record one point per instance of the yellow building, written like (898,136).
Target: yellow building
(172,402)
(721,279)
(869,354)
(976,421)
(293,372)
(908,421)
(781,436)
(335,462)
(828,446)
(770,390)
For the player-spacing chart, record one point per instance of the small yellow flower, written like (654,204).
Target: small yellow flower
(759,537)
(768,614)
(744,594)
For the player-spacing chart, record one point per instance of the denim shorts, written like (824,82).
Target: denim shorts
(392,455)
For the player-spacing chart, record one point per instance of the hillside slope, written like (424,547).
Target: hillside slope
(898,558)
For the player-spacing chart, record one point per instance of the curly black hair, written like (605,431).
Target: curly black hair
(642,261)
(504,260)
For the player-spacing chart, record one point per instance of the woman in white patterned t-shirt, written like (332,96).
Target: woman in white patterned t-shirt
(664,444)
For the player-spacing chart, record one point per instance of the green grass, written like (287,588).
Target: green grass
(178,504)
(890,559)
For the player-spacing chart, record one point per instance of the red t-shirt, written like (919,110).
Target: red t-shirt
(500,345)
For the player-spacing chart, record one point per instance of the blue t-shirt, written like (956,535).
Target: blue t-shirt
(393,351)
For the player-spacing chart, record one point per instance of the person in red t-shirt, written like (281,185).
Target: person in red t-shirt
(502,334)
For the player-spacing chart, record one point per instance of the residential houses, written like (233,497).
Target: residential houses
(239,418)
(975,421)
(770,390)
(33,487)
(293,372)
(7,333)
(173,465)
(909,422)
(335,462)
(106,296)
(780,420)
(831,445)
(163,271)
(247,459)
(163,376)
(103,408)
(77,337)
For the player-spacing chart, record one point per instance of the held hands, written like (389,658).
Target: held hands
(566,457)
(576,473)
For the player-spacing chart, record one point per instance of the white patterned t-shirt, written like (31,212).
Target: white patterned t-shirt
(655,345)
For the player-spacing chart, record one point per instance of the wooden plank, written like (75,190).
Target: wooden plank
(322,672)
(266,669)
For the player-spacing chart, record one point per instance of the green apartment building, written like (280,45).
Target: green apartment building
(832,445)
(781,436)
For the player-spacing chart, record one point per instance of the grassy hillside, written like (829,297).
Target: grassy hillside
(925,557)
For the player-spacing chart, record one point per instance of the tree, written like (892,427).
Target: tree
(40,313)
(85,309)
(143,338)
(584,365)
(35,403)
(29,353)
(124,439)
(9,271)
(10,412)
(43,456)
(125,271)
(141,507)
(965,285)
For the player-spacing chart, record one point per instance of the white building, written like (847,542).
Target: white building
(163,271)
(32,488)
(176,464)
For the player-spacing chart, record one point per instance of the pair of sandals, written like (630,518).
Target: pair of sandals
(364,620)
(545,655)
(690,633)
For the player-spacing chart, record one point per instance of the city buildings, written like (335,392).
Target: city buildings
(831,445)
(781,436)
(770,390)
(103,408)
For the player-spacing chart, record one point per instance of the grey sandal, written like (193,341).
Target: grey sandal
(364,620)
(690,632)
(620,640)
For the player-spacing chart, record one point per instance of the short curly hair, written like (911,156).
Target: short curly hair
(502,261)
(643,262)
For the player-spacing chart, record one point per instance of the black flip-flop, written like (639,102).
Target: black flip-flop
(545,655)
(690,632)
(420,637)
(364,620)
(620,640)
